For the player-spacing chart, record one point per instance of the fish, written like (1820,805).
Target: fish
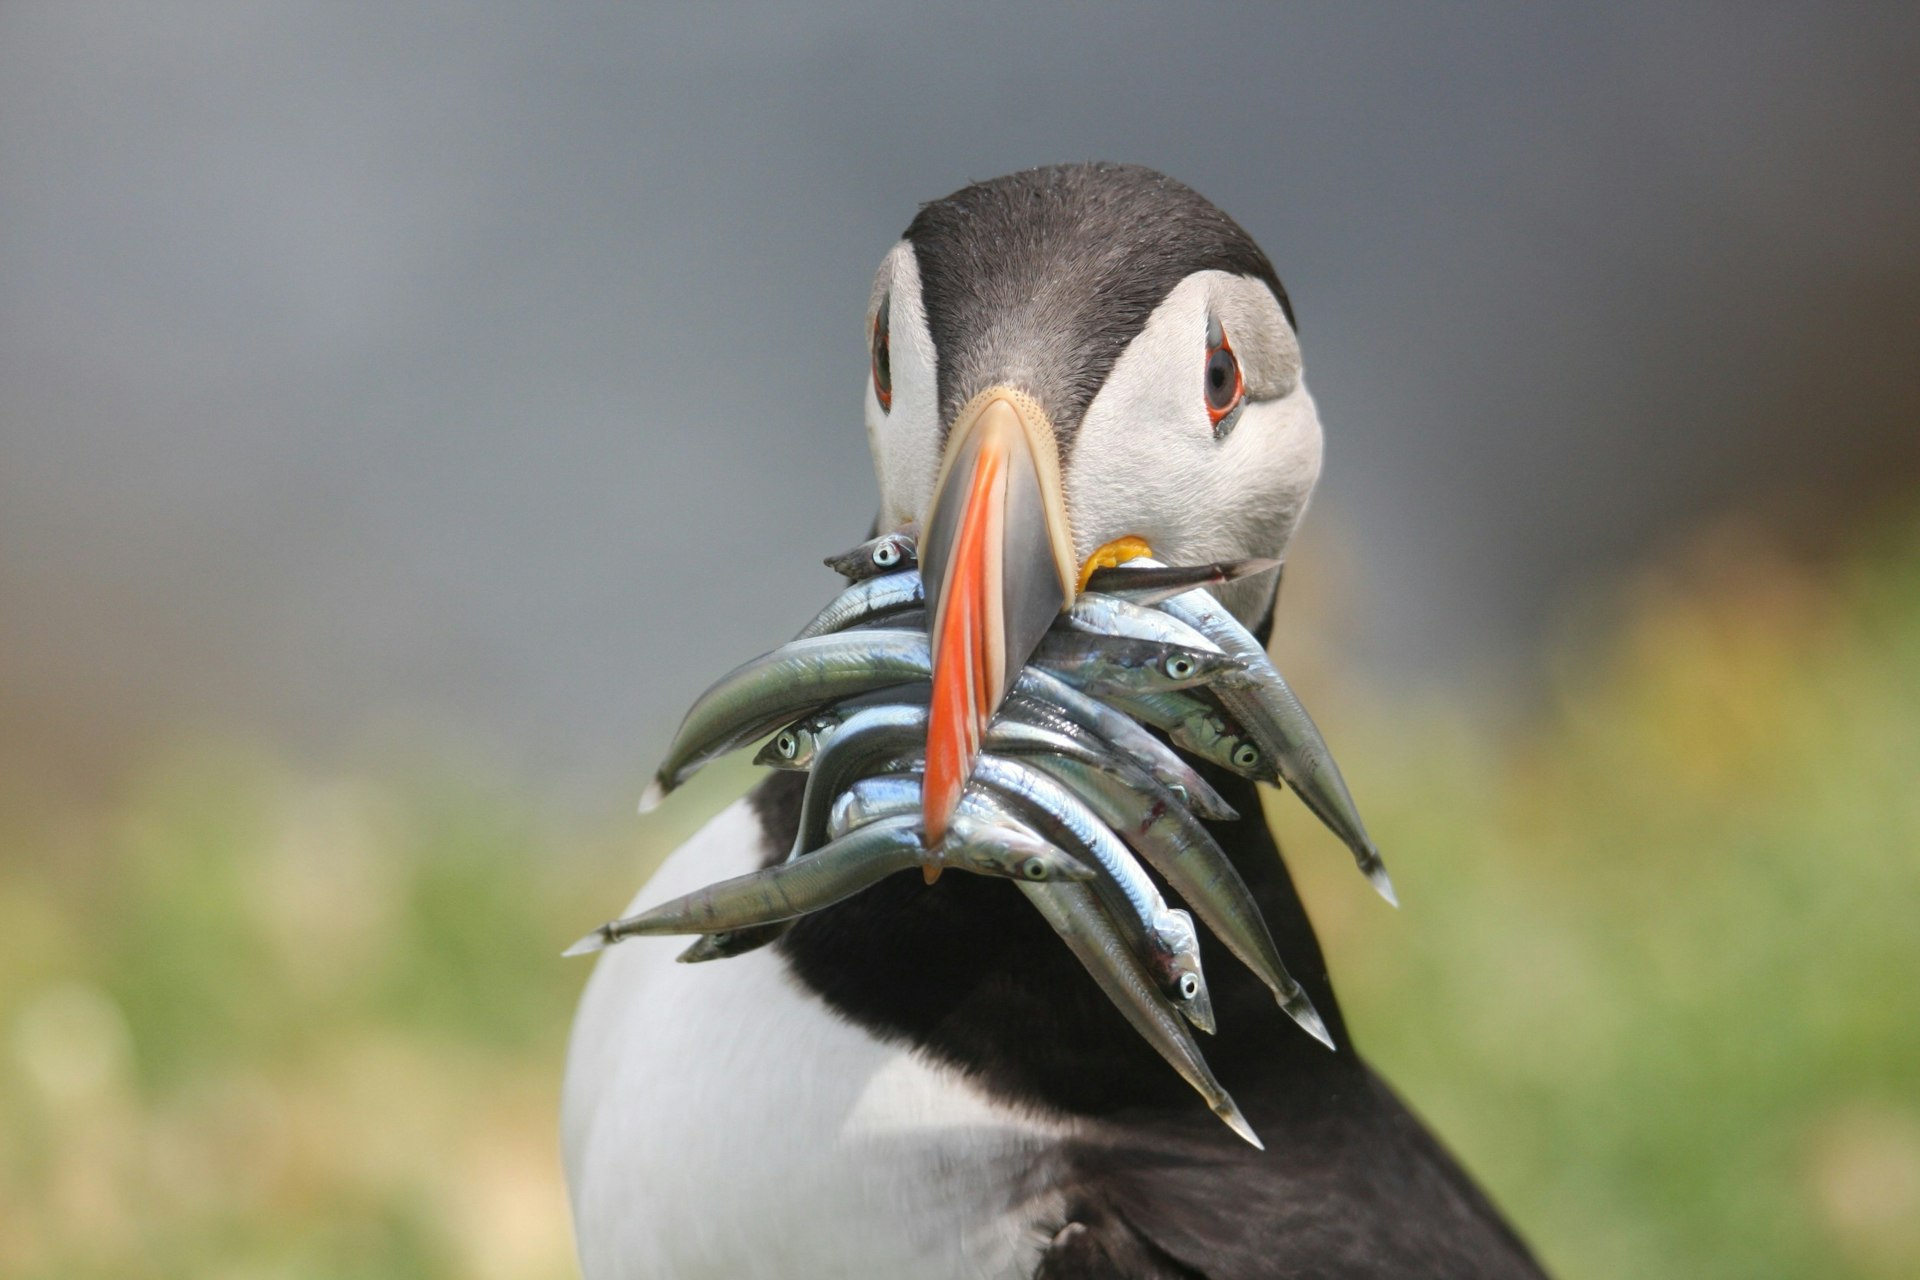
(987,840)
(1175,844)
(1076,914)
(872,798)
(1141,584)
(868,599)
(1123,734)
(1108,615)
(1121,665)
(871,598)
(863,743)
(858,860)
(880,733)
(1200,726)
(732,942)
(887,553)
(802,676)
(758,697)
(1279,725)
(1163,934)
(873,737)
(797,746)
(793,747)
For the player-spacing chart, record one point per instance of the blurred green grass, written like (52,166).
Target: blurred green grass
(1655,978)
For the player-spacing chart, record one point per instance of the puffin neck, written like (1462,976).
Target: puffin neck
(967,972)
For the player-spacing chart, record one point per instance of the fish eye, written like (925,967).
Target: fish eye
(1246,755)
(1035,868)
(1223,384)
(1189,986)
(1179,667)
(787,744)
(720,939)
(882,356)
(886,555)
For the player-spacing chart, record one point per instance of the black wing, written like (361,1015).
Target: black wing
(1095,1245)
(1357,1190)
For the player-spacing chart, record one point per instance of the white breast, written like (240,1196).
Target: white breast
(720,1121)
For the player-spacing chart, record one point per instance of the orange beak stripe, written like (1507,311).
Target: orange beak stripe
(969,661)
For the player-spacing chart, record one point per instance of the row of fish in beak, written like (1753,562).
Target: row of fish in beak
(1069,795)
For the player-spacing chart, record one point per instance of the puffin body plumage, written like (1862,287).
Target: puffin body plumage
(921,1082)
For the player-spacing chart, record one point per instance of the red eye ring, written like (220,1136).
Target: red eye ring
(881,352)
(1222,385)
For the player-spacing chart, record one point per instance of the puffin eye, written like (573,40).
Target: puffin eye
(882,358)
(1224,386)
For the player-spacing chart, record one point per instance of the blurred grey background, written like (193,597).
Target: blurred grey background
(491,373)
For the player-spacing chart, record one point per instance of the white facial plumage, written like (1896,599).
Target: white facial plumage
(906,438)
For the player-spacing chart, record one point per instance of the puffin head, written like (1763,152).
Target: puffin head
(1072,365)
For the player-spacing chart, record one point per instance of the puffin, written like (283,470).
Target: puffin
(1065,366)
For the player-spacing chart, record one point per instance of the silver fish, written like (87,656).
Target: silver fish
(887,553)
(796,747)
(1176,845)
(866,600)
(1164,934)
(793,747)
(879,738)
(880,732)
(1051,700)
(1076,914)
(914,619)
(1198,725)
(1281,727)
(1123,734)
(1108,663)
(1120,665)
(732,942)
(886,795)
(988,840)
(837,871)
(758,697)
(865,742)
(1142,585)
(802,676)
(1111,616)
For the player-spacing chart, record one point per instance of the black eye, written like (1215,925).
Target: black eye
(1224,385)
(882,356)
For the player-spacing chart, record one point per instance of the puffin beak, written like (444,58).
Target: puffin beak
(997,559)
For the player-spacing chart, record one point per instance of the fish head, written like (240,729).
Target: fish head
(998,846)
(794,747)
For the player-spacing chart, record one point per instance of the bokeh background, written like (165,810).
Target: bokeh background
(405,409)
